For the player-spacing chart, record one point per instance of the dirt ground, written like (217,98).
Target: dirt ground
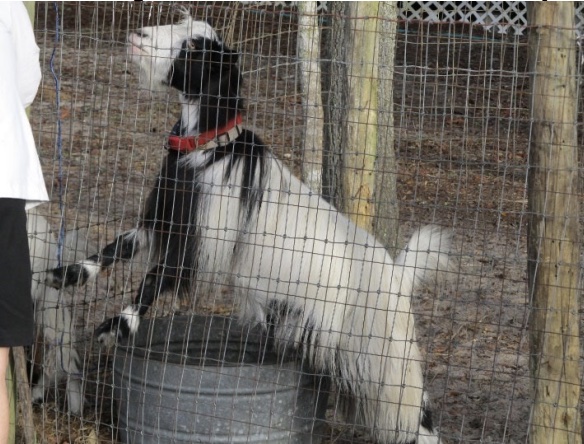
(462,133)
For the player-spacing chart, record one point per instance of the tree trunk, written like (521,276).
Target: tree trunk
(308,54)
(386,204)
(335,93)
(359,162)
(553,244)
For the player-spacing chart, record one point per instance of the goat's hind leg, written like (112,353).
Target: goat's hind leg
(157,281)
(384,393)
(123,248)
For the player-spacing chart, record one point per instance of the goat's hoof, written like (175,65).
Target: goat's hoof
(38,394)
(75,399)
(65,276)
(55,277)
(111,331)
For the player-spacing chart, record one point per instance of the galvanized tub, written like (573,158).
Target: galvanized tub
(207,379)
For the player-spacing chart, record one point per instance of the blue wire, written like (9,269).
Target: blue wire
(61,237)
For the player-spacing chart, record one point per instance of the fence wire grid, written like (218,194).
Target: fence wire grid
(461,134)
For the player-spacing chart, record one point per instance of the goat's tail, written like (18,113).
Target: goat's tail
(425,256)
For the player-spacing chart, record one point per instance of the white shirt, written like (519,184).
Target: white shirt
(21,176)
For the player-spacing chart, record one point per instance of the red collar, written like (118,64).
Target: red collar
(209,139)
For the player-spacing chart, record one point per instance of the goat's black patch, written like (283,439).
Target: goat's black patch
(276,311)
(123,248)
(309,341)
(427,419)
(115,325)
(250,152)
(159,279)
(307,332)
(75,274)
(206,70)
(170,214)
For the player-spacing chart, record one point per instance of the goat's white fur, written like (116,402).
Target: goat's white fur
(53,319)
(306,254)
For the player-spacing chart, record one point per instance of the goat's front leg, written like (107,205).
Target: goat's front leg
(158,280)
(123,248)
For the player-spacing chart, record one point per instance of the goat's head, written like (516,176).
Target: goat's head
(188,56)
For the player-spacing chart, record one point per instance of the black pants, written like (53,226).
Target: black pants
(16,310)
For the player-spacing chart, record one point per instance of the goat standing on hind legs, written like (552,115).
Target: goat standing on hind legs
(225,210)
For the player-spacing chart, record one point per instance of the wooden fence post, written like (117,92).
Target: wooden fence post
(361,149)
(553,244)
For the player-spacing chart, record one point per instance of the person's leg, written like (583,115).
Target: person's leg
(4,405)
(16,310)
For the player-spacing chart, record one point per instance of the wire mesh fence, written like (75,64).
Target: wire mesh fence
(461,126)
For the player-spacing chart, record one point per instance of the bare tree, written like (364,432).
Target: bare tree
(385,224)
(308,55)
(359,160)
(335,89)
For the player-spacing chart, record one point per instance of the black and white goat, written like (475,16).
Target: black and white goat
(53,321)
(224,210)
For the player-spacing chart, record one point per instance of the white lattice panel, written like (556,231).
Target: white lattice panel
(579,17)
(501,15)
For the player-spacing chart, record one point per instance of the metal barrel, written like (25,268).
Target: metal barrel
(207,379)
